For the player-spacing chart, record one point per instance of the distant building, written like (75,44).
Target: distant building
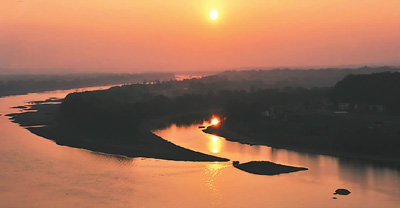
(377,108)
(344,106)
(380,108)
(274,112)
(376,127)
(265,113)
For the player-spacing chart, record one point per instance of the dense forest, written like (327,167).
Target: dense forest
(370,89)
(312,118)
(289,117)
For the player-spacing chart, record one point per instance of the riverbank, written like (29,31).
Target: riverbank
(232,135)
(40,118)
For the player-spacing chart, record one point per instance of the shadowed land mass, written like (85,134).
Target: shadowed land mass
(358,117)
(41,120)
(266,168)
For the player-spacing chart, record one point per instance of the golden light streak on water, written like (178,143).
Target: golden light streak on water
(214,144)
(212,171)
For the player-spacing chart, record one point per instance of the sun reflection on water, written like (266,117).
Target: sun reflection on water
(214,144)
(211,172)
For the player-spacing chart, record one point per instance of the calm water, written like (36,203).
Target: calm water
(35,172)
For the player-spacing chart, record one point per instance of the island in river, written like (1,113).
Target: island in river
(266,168)
(40,118)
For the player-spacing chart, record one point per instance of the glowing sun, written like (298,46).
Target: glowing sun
(213,14)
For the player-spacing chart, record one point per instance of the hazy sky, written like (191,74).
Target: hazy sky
(178,35)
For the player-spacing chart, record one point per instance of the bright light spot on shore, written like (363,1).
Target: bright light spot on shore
(213,14)
(215,121)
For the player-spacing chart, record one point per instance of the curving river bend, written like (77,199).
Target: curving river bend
(35,172)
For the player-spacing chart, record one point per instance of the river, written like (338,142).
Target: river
(36,172)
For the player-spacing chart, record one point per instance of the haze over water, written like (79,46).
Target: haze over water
(67,36)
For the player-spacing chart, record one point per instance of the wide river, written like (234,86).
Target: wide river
(36,172)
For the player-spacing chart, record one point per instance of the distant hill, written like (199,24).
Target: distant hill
(28,83)
(280,78)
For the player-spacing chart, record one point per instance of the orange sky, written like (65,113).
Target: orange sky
(178,35)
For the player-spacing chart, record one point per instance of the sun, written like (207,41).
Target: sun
(213,14)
